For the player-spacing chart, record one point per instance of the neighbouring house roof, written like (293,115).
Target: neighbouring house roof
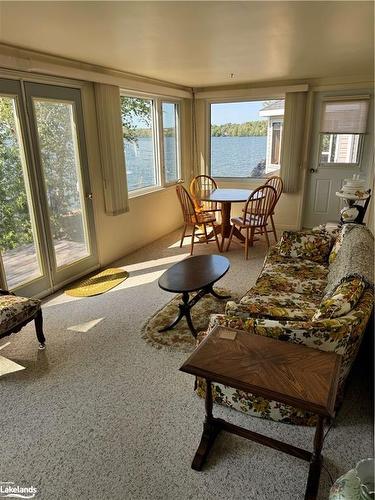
(275,108)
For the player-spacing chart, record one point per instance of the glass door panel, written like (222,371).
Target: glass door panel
(19,242)
(47,235)
(60,162)
(57,132)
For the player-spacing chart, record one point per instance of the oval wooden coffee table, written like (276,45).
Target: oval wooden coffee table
(194,274)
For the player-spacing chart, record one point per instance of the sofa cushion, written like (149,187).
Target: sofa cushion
(341,300)
(258,309)
(272,281)
(15,310)
(311,245)
(297,268)
(282,305)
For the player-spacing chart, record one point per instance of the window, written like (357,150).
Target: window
(246,138)
(342,126)
(340,148)
(151,146)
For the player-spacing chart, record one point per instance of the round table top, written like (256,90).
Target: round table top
(194,273)
(226,195)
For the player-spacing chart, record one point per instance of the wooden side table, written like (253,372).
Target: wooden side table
(278,370)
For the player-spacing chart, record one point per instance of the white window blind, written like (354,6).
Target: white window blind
(111,143)
(292,141)
(344,116)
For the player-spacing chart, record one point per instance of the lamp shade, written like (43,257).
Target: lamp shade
(344,117)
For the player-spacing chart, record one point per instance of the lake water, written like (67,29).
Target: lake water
(236,156)
(230,156)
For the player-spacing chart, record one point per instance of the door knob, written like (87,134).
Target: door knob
(313,170)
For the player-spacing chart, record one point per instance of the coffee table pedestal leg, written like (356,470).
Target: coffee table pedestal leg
(186,306)
(184,311)
(210,430)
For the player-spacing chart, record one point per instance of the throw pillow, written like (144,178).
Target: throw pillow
(341,300)
(311,245)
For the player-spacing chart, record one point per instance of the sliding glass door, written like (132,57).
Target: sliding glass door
(46,222)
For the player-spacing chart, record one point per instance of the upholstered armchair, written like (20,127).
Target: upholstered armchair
(16,312)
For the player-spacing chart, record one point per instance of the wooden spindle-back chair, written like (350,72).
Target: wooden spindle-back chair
(193,218)
(276,182)
(200,184)
(256,212)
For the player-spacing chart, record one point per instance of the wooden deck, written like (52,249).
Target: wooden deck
(21,264)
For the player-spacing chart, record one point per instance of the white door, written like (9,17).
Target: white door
(334,158)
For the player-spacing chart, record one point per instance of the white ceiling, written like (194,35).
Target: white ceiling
(201,43)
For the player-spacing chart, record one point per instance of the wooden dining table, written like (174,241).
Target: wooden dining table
(226,197)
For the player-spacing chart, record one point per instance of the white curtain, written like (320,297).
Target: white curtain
(292,142)
(111,146)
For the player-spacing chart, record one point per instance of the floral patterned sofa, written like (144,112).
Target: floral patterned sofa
(315,289)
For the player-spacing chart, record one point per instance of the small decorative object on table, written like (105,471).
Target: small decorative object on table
(354,191)
(357,484)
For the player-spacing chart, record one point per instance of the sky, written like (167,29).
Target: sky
(235,112)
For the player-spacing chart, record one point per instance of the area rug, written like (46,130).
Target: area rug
(98,283)
(180,337)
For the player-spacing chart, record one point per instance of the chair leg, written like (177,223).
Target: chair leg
(267,238)
(39,329)
(229,239)
(247,244)
(205,232)
(183,235)
(192,240)
(216,238)
(273,228)
(252,233)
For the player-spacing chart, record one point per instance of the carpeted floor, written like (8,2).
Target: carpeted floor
(102,414)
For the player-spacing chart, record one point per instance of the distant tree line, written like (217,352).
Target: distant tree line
(147,132)
(254,128)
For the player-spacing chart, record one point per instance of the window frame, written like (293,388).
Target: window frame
(158,140)
(177,115)
(232,100)
(280,130)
